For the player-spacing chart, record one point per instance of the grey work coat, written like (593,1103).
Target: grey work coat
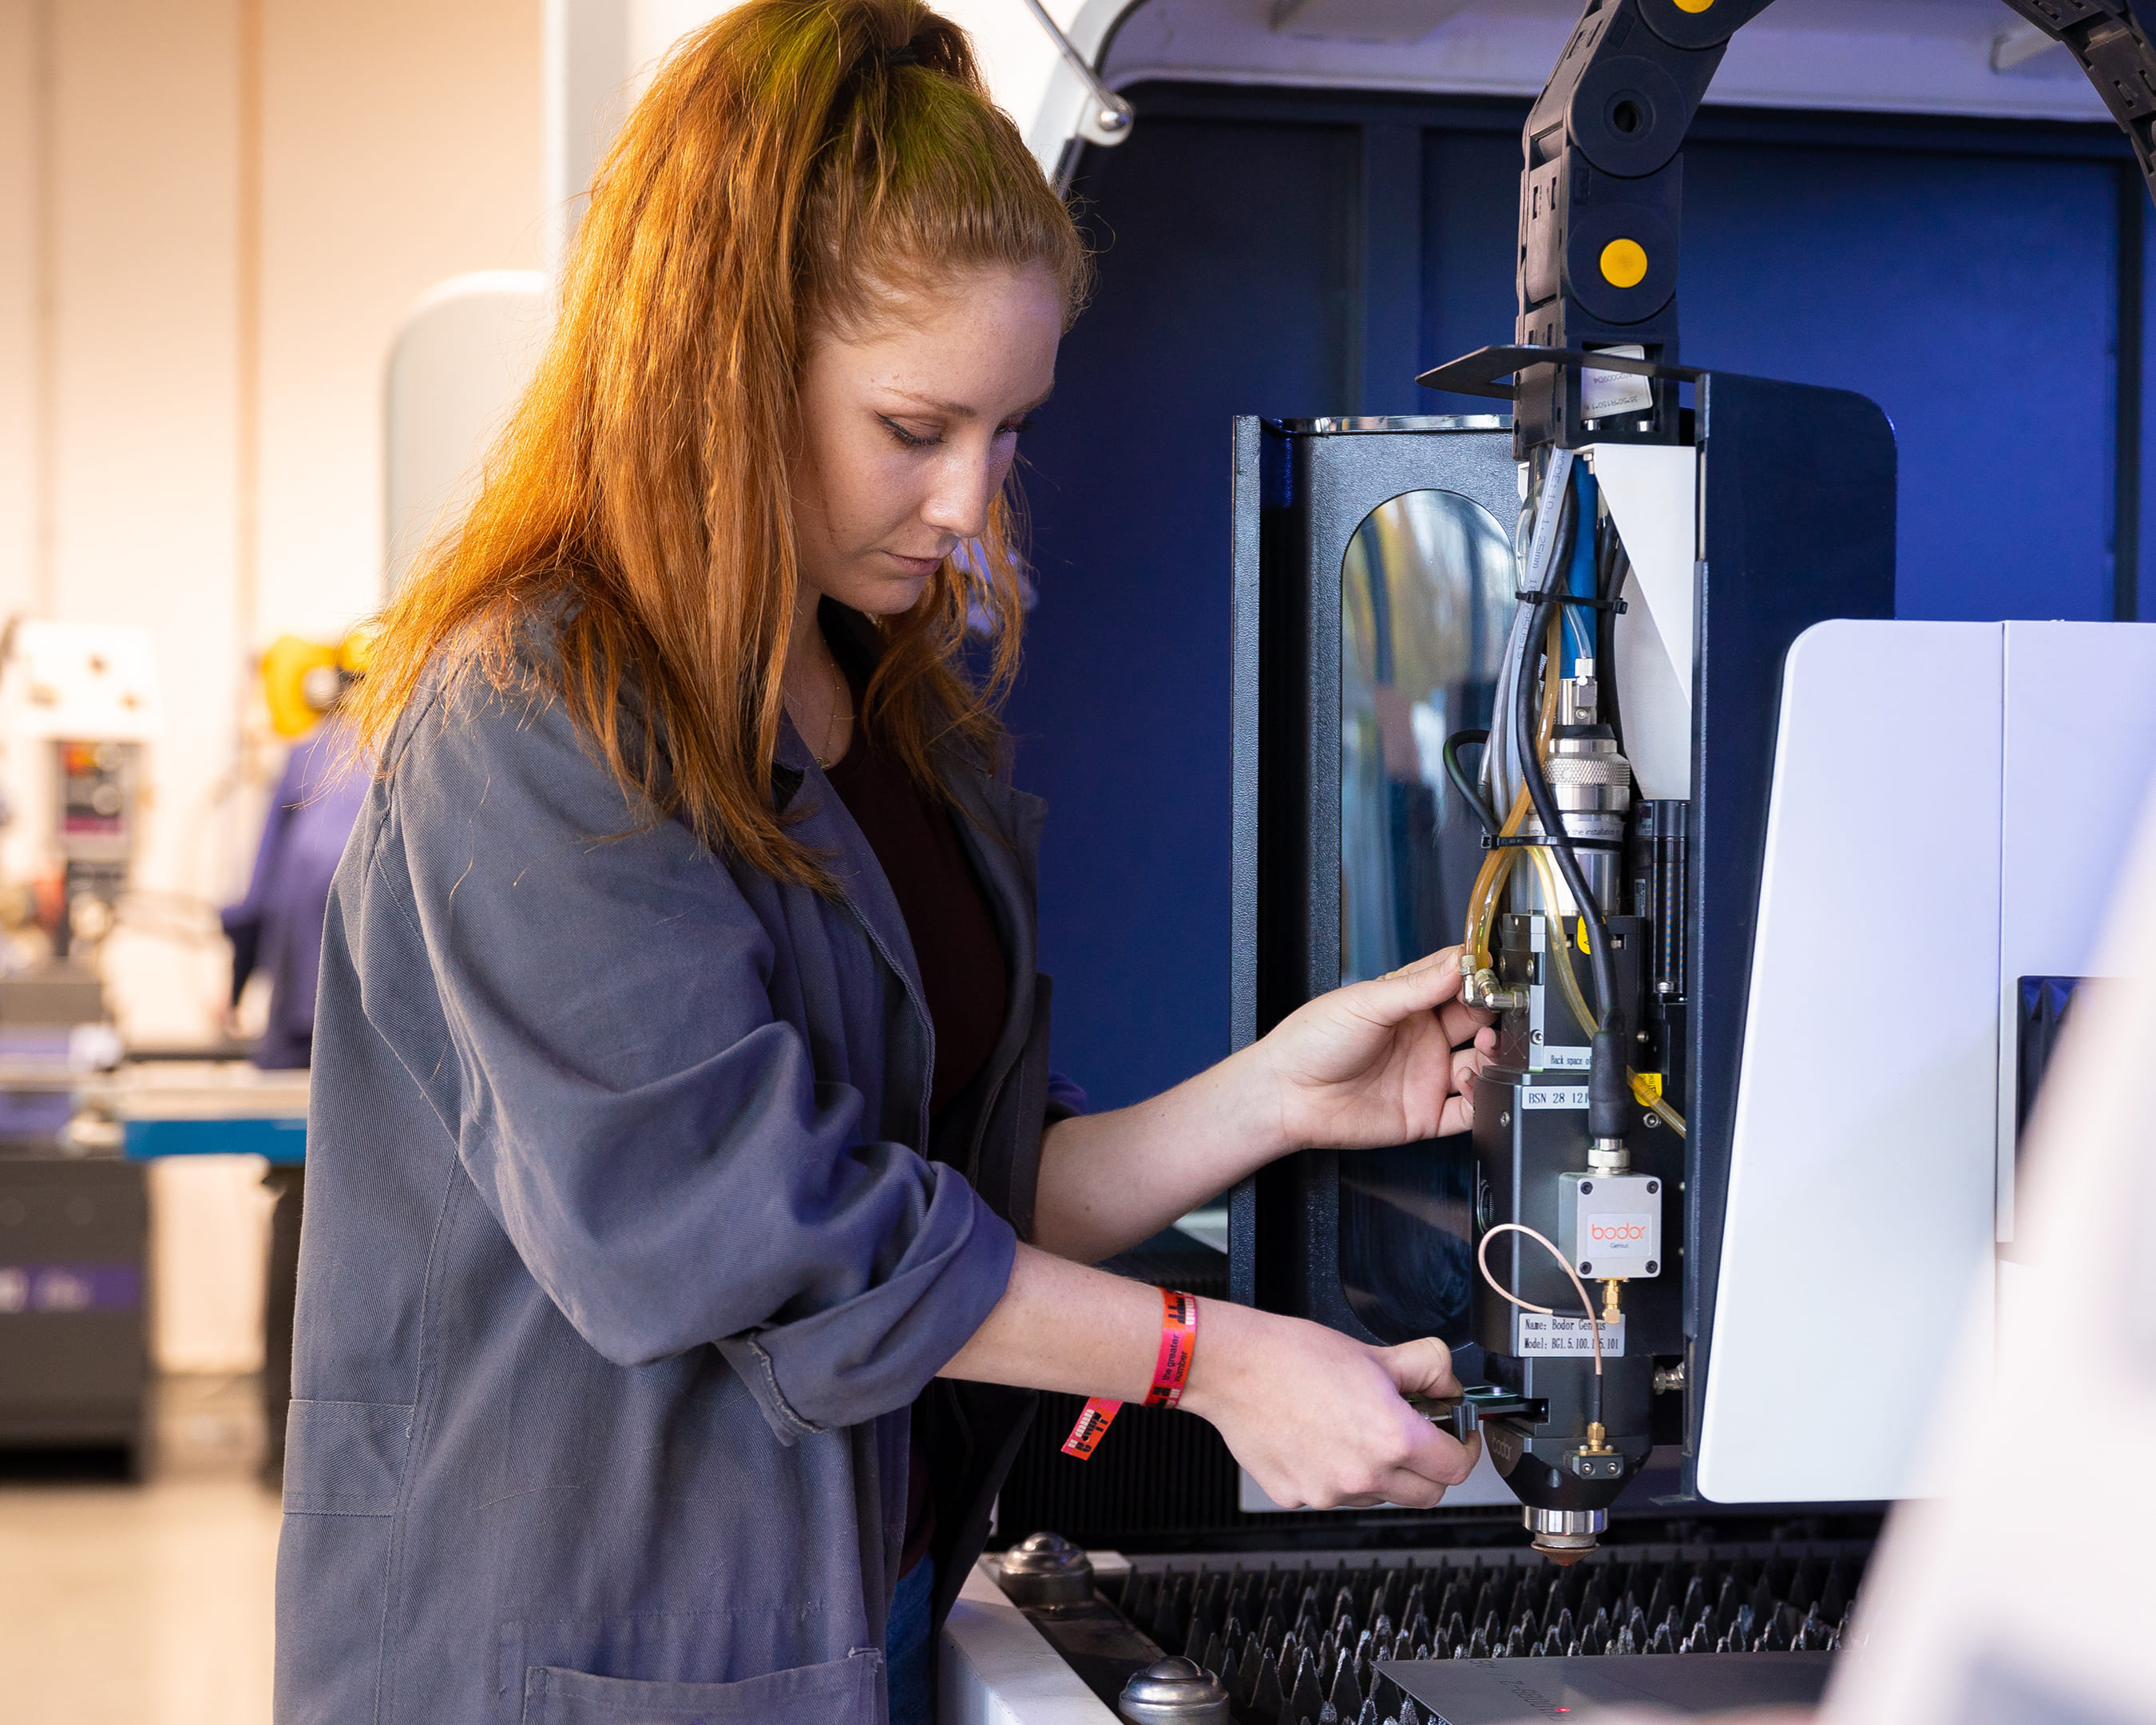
(622,1262)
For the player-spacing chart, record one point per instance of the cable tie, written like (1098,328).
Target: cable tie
(1526,596)
(1500,842)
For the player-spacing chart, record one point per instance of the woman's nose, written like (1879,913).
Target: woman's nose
(964,488)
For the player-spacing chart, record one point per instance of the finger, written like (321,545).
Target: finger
(1459,1115)
(1421,1367)
(1446,1461)
(1423,1483)
(1438,1461)
(1420,986)
(1411,1491)
(1467,1064)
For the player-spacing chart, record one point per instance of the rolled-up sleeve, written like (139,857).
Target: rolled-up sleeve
(655,1143)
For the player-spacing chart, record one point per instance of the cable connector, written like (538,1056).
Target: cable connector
(1609,1088)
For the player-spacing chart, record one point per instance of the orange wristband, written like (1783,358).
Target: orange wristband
(1178,1341)
(1171,1371)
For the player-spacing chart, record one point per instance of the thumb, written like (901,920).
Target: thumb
(1423,1367)
(1431,979)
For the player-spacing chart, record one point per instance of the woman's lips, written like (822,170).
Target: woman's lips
(916,566)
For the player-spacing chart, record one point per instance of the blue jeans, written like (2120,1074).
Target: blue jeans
(909,1652)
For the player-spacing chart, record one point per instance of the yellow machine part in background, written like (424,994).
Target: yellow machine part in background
(302,680)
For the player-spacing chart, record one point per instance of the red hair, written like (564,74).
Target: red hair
(793,161)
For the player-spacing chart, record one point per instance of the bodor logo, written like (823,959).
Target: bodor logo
(1601,1231)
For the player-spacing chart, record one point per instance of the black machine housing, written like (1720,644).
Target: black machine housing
(1796,526)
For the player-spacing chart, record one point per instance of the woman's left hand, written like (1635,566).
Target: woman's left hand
(1386,1062)
(1389,1062)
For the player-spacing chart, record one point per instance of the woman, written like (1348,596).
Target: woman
(681,1103)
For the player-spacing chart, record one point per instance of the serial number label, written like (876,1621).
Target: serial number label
(1535,1333)
(1546,1095)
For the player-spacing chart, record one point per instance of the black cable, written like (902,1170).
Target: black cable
(1605,666)
(1464,782)
(1608,1113)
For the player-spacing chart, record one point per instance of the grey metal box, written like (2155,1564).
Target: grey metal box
(1610,1225)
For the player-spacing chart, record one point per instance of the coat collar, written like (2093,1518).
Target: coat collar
(1000,826)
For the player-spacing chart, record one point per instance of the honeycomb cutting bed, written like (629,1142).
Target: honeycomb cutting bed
(1298,1641)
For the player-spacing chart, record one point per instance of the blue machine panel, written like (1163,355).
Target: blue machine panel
(1965,278)
(281,1140)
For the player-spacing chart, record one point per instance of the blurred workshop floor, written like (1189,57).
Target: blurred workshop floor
(144,1604)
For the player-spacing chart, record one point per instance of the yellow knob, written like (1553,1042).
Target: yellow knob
(1624,263)
(1695,5)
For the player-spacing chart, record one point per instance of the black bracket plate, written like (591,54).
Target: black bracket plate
(1477,373)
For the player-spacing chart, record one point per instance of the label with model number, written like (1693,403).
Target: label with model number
(1534,1333)
(1543,1096)
(1603,394)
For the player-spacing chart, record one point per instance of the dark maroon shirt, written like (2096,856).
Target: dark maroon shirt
(955,944)
(957,949)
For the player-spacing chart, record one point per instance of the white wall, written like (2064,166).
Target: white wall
(402,145)
(138,161)
(19,343)
(241,197)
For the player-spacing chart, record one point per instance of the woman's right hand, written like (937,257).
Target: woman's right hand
(1319,1420)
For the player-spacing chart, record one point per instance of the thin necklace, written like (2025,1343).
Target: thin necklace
(825,758)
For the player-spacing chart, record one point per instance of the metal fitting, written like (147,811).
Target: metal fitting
(1480,990)
(1565,1536)
(1174,1691)
(1670,1379)
(1046,1569)
(1592,785)
(1588,776)
(1579,698)
(1608,1155)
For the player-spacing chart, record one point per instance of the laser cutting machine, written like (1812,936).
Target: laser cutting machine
(1776,901)
(1695,798)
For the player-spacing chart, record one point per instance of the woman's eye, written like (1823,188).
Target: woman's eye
(907,439)
(1017,427)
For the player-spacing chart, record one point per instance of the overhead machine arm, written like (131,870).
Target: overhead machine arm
(1602,194)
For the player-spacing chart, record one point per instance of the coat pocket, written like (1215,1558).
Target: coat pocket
(846,1692)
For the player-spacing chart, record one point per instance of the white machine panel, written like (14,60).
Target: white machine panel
(995,1668)
(1862,1169)
(461,362)
(1951,804)
(2080,758)
(1653,492)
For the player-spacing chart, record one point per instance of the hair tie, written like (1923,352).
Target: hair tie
(901,56)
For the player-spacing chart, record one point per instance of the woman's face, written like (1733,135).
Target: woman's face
(909,427)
